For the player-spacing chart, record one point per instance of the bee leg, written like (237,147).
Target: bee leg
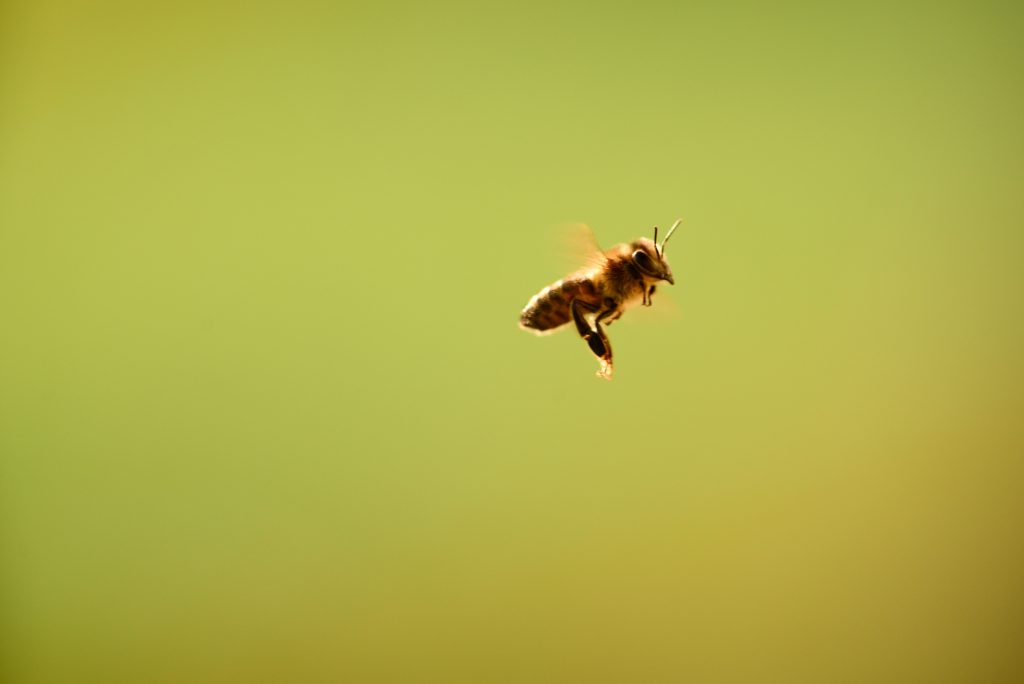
(595,339)
(579,310)
(607,316)
(611,314)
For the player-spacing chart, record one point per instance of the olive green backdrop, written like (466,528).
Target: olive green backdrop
(266,414)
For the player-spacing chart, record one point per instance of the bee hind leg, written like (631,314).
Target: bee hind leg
(595,337)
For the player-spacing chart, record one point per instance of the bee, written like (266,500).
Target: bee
(618,278)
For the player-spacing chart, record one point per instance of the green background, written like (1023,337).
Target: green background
(266,414)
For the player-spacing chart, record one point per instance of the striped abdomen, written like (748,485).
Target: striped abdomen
(549,308)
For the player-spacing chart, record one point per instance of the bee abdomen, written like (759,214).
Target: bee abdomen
(549,308)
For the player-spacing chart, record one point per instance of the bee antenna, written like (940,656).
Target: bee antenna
(669,234)
(656,241)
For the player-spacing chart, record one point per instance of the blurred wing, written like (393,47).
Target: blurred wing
(579,247)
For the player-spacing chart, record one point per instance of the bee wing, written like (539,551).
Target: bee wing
(579,247)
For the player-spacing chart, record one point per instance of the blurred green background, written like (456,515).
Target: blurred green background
(266,414)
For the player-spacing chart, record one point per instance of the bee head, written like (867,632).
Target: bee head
(649,256)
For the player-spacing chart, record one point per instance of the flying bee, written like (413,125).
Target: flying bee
(619,278)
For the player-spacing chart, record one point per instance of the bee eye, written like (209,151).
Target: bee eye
(644,262)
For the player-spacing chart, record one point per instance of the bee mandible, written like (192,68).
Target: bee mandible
(620,277)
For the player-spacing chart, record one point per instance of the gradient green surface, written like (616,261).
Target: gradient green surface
(266,415)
